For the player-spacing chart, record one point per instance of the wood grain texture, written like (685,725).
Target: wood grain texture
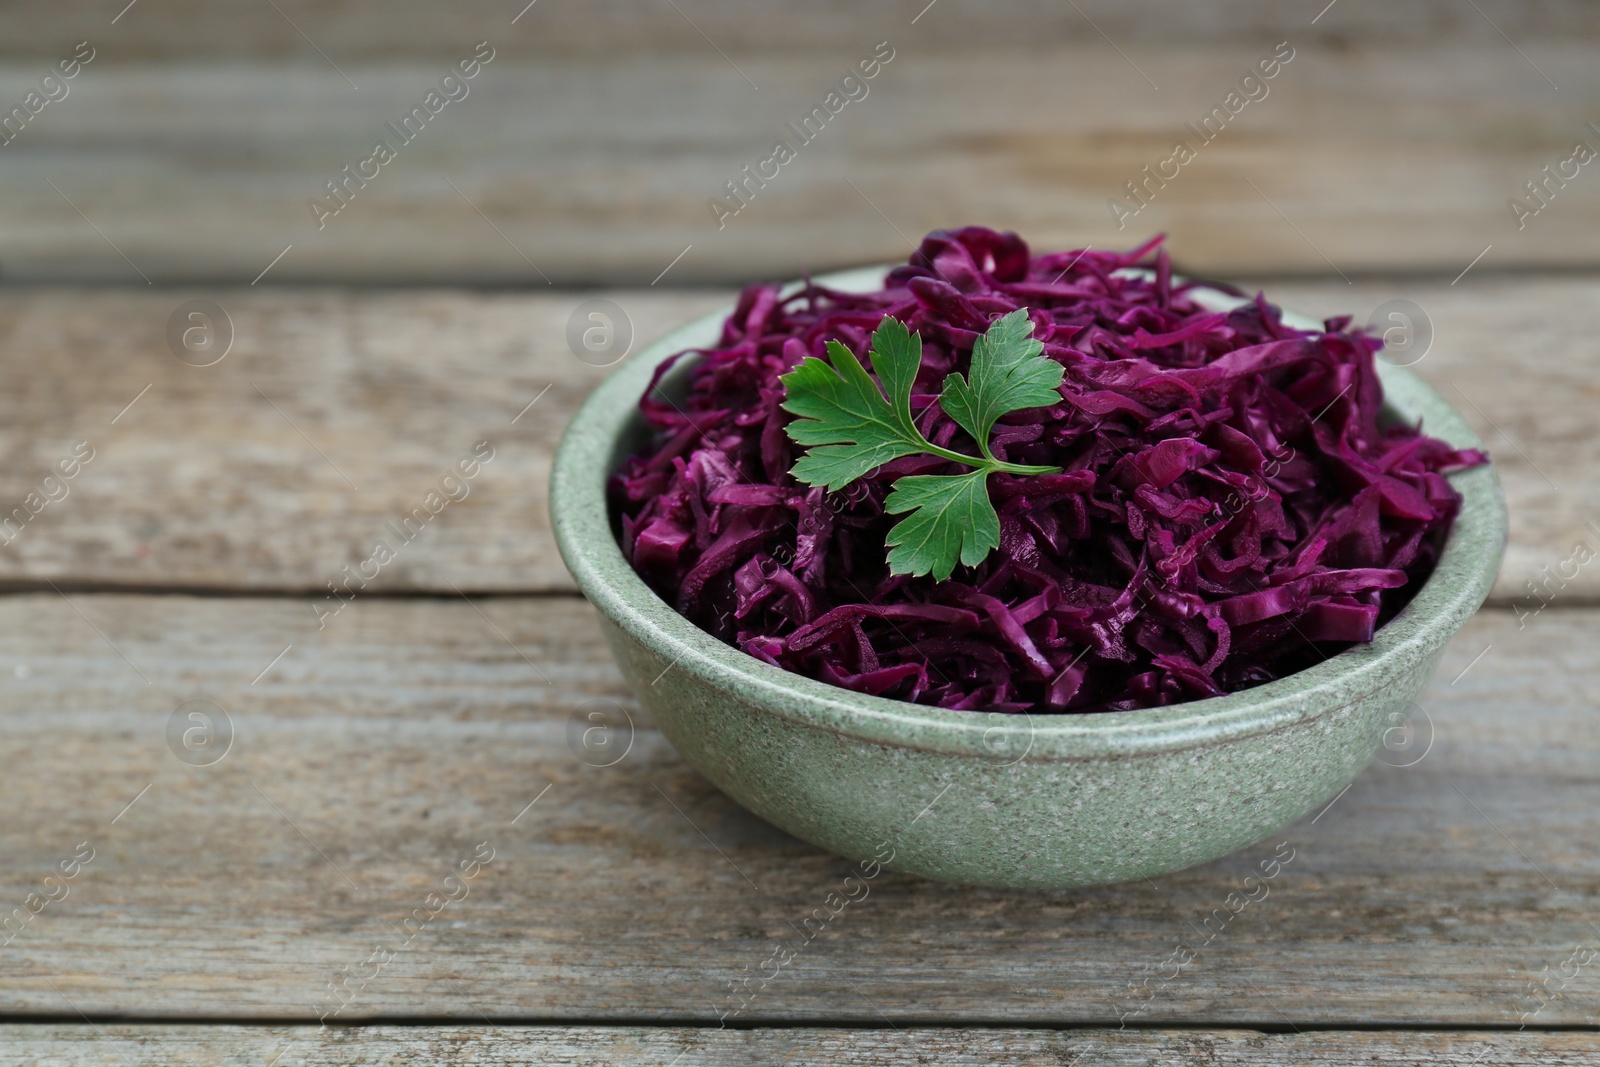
(520,1046)
(377,754)
(333,416)
(596,167)
(229,477)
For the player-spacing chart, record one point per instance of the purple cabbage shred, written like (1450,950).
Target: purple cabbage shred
(1230,509)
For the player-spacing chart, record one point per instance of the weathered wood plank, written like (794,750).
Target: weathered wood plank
(376,755)
(1381,155)
(333,416)
(515,1046)
(214,478)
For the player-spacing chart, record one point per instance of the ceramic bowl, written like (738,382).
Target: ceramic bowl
(995,799)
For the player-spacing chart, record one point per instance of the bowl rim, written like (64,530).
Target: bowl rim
(580,518)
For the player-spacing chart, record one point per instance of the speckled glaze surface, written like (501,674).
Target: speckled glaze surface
(1005,800)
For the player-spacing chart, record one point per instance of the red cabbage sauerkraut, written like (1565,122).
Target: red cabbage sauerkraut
(1230,508)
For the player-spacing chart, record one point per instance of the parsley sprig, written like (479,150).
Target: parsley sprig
(851,428)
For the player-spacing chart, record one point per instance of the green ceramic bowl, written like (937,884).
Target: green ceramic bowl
(1006,800)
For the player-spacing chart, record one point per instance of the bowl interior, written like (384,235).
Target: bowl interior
(607,428)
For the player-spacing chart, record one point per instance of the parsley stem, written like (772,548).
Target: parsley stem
(1023,468)
(987,463)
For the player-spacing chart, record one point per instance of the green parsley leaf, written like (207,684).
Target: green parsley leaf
(842,411)
(852,427)
(1008,374)
(951,518)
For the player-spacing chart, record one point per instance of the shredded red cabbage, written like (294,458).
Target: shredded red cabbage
(1230,509)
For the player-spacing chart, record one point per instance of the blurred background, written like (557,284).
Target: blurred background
(587,149)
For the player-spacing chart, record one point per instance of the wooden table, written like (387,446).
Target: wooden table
(226,870)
